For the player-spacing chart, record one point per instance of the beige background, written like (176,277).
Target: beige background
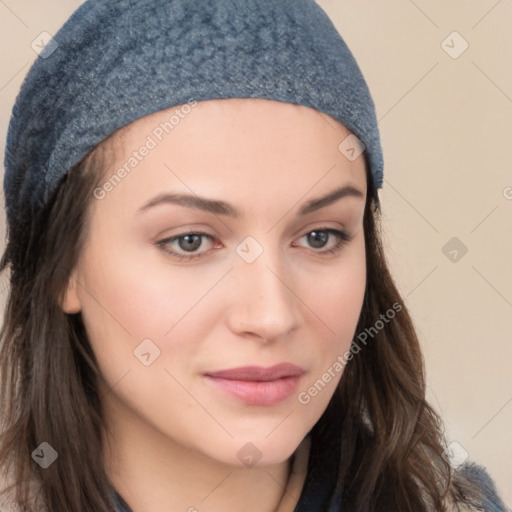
(446,125)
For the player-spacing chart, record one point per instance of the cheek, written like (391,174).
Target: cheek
(337,303)
(136,295)
(339,298)
(130,290)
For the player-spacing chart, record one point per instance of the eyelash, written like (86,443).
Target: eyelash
(343,238)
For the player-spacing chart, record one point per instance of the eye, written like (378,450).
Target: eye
(318,238)
(188,243)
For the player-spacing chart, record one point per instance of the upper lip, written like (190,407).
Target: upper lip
(259,373)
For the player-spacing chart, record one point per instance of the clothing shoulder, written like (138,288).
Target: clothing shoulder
(491,501)
(480,479)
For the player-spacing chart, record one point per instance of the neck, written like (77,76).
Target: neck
(156,474)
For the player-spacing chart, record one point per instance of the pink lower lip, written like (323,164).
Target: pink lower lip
(258,392)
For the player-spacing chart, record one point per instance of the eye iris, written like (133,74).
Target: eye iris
(318,236)
(190,245)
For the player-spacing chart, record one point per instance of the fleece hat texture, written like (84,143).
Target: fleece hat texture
(114,62)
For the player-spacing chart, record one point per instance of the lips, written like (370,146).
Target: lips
(258,373)
(256,385)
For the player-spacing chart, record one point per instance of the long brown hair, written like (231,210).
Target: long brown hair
(392,440)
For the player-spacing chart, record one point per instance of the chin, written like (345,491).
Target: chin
(260,451)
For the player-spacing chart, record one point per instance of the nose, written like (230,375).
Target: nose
(263,303)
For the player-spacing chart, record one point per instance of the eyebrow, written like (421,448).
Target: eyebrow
(223,208)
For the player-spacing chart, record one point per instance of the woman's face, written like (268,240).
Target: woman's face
(272,284)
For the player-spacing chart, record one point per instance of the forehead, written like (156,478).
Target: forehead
(217,145)
(247,119)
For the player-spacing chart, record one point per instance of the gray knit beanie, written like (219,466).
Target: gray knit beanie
(116,61)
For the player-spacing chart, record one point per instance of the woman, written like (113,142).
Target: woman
(201,316)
